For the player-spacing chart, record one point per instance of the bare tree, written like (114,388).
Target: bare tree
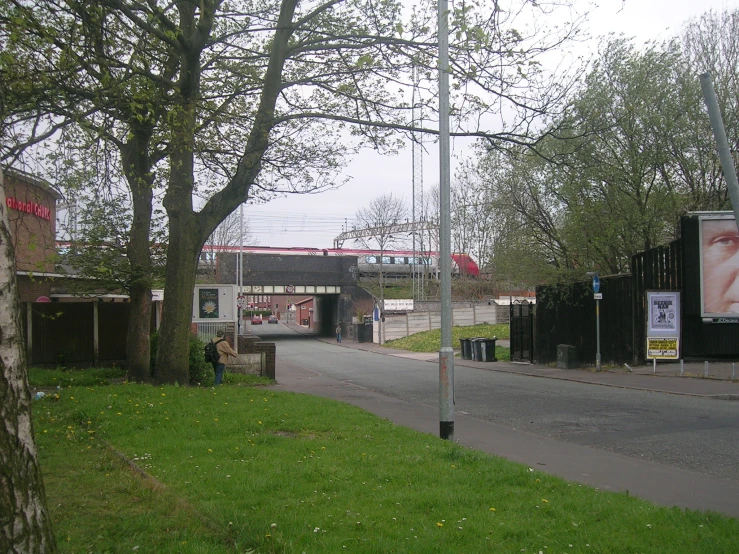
(228,234)
(25,524)
(382,212)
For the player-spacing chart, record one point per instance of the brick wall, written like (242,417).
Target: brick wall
(31,206)
(253,345)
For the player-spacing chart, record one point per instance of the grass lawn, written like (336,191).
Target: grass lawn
(63,377)
(50,378)
(430,341)
(244,469)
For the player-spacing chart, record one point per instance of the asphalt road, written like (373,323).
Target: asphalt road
(696,434)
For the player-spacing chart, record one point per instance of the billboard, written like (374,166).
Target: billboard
(719,266)
(214,302)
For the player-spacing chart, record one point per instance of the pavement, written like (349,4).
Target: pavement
(666,378)
(662,484)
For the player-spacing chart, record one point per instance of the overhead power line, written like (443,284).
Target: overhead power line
(384,230)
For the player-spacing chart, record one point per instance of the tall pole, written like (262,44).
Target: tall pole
(241,260)
(446,352)
(597,335)
(727,162)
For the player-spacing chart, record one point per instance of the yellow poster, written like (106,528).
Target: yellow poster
(662,347)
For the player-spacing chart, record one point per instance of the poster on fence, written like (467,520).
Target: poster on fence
(663,312)
(663,325)
(214,302)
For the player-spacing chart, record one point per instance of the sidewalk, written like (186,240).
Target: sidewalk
(666,380)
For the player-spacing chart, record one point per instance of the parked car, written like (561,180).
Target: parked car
(256,319)
(272,319)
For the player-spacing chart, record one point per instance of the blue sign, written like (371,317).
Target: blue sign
(596,283)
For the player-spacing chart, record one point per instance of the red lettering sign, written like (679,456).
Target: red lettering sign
(30,208)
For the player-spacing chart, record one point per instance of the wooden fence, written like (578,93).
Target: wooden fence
(76,333)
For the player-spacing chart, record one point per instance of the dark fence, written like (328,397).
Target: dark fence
(522,327)
(63,333)
(660,268)
(566,314)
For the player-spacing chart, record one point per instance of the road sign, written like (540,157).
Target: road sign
(598,296)
(241,302)
(596,283)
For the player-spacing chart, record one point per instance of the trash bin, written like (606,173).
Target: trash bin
(477,349)
(466,347)
(566,356)
(488,349)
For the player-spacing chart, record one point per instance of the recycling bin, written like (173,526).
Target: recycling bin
(466,349)
(477,349)
(488,349)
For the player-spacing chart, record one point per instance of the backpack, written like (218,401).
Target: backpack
(211,352)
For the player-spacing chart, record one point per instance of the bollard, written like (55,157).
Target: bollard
(733,367)
(682,367)
(705,368)
(654,365)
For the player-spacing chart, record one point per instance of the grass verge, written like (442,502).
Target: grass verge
(430,341)
(63,377)
(240,469)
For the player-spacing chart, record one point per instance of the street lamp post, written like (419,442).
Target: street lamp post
(597,295)
(446,352)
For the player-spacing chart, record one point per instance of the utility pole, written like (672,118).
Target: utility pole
(446,353)
(722,143)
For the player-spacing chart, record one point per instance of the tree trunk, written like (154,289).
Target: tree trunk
(174,333)
(138,171)
(185,243)
(25,525)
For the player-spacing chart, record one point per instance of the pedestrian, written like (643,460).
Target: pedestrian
(224,351)
(338,333)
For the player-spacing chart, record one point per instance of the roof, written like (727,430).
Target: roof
(33,180)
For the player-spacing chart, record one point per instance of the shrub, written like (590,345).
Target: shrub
(200,371)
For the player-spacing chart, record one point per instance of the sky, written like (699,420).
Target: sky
(315,220)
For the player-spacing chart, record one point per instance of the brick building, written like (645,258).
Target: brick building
(31,206)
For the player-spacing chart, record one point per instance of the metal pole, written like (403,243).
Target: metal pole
(446,352)
(727,163)
(241,266)
(597,335)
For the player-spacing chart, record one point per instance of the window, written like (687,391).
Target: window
(370,259)
(386,260)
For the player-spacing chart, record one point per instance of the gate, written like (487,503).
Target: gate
(522,332)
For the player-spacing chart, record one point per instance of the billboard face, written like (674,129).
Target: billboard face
(719,242)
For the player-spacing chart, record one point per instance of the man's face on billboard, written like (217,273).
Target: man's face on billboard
(720,243)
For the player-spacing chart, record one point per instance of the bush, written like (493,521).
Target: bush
(200,371)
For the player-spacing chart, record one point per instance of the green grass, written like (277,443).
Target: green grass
(242,469)
(430,341)
(62,377)
(50,378)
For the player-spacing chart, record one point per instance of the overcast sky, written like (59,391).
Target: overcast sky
(314,220)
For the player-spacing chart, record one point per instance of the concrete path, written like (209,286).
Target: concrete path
(662,484)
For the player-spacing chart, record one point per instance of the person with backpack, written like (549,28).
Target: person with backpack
(217,352)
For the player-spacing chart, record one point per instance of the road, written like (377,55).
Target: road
(690,433)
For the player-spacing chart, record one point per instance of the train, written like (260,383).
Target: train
(394,263)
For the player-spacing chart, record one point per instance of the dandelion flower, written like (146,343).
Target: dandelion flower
(439,524)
